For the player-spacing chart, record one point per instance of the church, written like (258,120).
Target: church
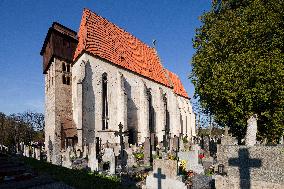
(103,76)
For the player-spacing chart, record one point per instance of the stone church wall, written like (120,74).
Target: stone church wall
(58,108)
(127,101)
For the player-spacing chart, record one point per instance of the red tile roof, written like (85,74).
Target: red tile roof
(102,38)
(178,87)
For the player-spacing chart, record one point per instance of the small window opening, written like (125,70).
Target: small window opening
(63,79)
(68,80)
(63,67)
(68,68)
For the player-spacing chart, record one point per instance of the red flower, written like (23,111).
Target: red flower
(201,156)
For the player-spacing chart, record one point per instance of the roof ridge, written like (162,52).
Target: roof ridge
(120,28)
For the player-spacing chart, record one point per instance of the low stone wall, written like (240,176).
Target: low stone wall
(251,167)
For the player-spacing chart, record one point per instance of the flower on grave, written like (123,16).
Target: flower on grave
(201,156)
(139,155)
(182,167)
(171,157)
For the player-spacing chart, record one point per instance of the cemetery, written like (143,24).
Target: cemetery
(203,162)
(116,118)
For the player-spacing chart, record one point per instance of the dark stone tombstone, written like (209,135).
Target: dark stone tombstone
(206,142)
(212,147)
(153,141)
(147,151)
(176,143)
(201,142)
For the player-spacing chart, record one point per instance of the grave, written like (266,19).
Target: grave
(109,158)
(147,151)
(250,166)
(250,139)
(92,160)
(164,176)
(191,158)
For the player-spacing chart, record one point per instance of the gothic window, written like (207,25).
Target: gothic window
(104,102)
(63,79)
(68,68)
(186,124)
(68,80)
(166,113)
(150,112)
(181,124)
(63,67)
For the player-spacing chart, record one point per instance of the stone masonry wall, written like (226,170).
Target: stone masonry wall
(58,108)
(258,166)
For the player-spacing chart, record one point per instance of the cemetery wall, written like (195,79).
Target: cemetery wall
(91,73)
(259,166)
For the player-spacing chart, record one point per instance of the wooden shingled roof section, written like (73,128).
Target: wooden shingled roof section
(99,37)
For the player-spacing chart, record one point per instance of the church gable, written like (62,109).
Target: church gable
(100,37)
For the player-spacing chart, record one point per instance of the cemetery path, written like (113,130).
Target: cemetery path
(17,175)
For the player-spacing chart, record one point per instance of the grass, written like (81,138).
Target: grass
(76,178)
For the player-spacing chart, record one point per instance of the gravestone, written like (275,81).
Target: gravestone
(164,176)
(131,161)
(37,153)
(66,158)
(250,139)
(85,152)
(116,150)
(27,151)
(206,143)
(175,143)
(126,143)
(171,144)
(181,144)
(281,140)
(147,151)
(92,160)
(109,157)
(191,158)
(212,147)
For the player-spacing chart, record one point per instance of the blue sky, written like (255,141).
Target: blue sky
(24,25)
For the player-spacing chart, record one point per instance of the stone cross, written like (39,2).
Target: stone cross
(251,131)
(244,163)
(159,176)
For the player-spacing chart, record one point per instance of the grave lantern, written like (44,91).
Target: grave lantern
(221,169)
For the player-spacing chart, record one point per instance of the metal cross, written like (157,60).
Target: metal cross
(120,133)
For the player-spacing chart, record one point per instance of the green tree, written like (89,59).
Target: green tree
(238,67)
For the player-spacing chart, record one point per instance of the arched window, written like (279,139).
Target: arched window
(68,80)
(63,67)
(68,68)
(104,102)
(166,113)
(64,79)
(151,112)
